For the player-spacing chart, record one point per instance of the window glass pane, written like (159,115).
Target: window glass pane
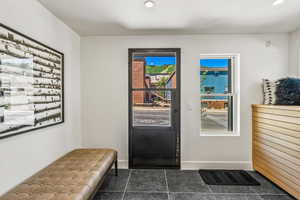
(215,76)
(154,70)
(215,113)
(151,108)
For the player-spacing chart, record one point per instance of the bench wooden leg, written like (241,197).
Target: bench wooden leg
(116,167)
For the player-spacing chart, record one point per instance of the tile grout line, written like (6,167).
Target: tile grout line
(168,191)
(125,189)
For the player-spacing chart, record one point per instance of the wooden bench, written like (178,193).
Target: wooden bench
(76,176)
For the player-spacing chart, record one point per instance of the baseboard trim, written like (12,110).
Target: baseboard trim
(123,164)
(195,165)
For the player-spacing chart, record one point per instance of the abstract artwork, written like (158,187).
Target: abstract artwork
(31,84)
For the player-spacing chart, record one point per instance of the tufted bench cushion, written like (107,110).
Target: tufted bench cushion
(75,176)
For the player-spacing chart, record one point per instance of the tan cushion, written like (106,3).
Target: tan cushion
(72,177)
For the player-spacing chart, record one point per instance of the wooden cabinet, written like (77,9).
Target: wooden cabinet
(276,145)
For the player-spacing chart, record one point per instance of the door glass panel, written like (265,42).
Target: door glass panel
(215,113)
(151,108)
(154,70)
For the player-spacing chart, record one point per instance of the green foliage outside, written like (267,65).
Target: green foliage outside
(160,69)
(162,83)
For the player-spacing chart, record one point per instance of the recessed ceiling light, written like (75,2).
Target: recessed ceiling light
(149,4)
(278,2)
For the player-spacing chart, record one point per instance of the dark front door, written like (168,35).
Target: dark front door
(154,108)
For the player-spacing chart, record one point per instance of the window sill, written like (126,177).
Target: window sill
(219,134)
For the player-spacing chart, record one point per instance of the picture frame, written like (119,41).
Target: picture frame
(31,84)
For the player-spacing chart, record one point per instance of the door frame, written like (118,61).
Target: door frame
(178,98)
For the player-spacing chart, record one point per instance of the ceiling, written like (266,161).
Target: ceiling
(130,17)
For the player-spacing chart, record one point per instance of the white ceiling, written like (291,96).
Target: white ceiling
(130,17)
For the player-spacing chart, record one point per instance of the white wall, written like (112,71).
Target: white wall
(23,155)
(294,53)
(105,92)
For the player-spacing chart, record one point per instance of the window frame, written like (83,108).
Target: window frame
(298,62)
(234,94)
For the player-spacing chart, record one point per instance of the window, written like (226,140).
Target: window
(153,84)
(219,94)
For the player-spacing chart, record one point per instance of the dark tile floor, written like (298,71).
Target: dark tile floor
(181,185)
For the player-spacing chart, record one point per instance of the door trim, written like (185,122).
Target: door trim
(178,88)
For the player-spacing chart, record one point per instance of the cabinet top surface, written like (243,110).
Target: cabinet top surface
(281,107)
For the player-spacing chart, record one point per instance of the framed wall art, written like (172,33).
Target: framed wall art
(31,84)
